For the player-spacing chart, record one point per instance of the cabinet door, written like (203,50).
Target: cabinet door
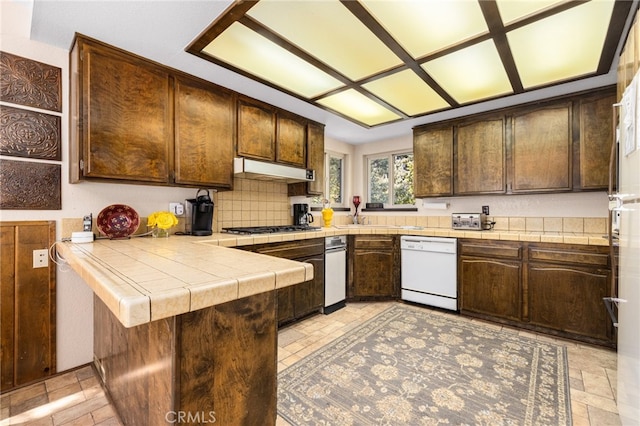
(256,130)
(373,273)
(491,287)
(309,296)
(285,305)
(315,161)
(291,140)
(27,304)
(205,130)
(541,150)
(433,162)
(569,299)
(596,138)
(127,117)
(480,154)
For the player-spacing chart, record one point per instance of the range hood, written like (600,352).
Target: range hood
(252,169)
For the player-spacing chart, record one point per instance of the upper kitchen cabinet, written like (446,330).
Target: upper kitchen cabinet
(122,125)
(596,126)
(557,146)
(136,121)
(291,139)
(541,149)
(315,161)
(205,134)
(433,161)
(256,130)
(479,157)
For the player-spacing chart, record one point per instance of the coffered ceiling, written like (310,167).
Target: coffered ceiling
(370,69)
(375,62)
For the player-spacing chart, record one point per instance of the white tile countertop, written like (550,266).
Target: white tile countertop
(146,279)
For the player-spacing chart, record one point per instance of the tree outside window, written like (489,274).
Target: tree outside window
(334,184)
(390,179)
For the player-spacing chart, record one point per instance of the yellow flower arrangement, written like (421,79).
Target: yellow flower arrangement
(162,220)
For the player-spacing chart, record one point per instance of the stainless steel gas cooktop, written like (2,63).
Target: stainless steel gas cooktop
(269,229)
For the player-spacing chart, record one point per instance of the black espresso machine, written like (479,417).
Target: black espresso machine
(199,214)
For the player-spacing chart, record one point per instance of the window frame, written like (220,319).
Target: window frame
(326,187)
(390,156)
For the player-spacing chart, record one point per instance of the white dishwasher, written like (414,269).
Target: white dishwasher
(429,271)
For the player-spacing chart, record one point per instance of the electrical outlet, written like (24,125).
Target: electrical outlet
(485,210)
(41,258)
(176,208)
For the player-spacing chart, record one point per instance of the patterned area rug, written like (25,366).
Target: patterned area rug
(412,366)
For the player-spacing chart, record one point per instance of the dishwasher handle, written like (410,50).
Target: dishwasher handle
(335,249)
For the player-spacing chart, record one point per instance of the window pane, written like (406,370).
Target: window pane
(403,179)
(335,180)
(379,180)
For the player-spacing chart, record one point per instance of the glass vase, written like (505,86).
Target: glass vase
(160,233)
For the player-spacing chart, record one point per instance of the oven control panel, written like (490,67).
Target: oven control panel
(468,221)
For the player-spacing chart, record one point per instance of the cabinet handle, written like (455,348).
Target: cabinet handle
(609,302)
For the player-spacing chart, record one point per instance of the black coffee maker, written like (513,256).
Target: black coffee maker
(301,215)
(199,212)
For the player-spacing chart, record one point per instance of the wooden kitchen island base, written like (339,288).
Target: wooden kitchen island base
(216,365)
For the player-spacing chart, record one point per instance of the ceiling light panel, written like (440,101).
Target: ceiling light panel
(407,92)
(424,27)
(359,107)
(250,52)
(471,74)
(328,31)
(514,10)
(562,46)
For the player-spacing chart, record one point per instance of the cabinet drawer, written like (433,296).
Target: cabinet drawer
(509,250)
(374,242)
(292,249)
(580,255)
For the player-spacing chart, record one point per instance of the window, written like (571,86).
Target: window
(334,180)
(390,179)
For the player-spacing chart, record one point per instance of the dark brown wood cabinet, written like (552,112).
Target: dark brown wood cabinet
(546,287)
(256,130)
(480,157)
(27,304)
(433,161)
(541,149)
(124,126)
(315,161)
(302,299)
(560,145)
(205,119)
(136,121)
(566,285)
(373,267)
(291,139)
(218,363)
(490,278)
(596,127)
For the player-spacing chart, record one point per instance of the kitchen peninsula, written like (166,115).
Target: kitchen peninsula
(184,327)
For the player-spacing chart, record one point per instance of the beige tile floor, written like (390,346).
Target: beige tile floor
(76,398)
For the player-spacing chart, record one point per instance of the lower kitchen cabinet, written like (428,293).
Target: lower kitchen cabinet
(490,279)
(566,286)
(373,267)
(551,288)
(302,299)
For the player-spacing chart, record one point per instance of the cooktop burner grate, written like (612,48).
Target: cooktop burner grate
(269,229)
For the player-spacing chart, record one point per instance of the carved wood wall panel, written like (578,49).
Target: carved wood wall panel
(25,133)
(31,83)
(30,185)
